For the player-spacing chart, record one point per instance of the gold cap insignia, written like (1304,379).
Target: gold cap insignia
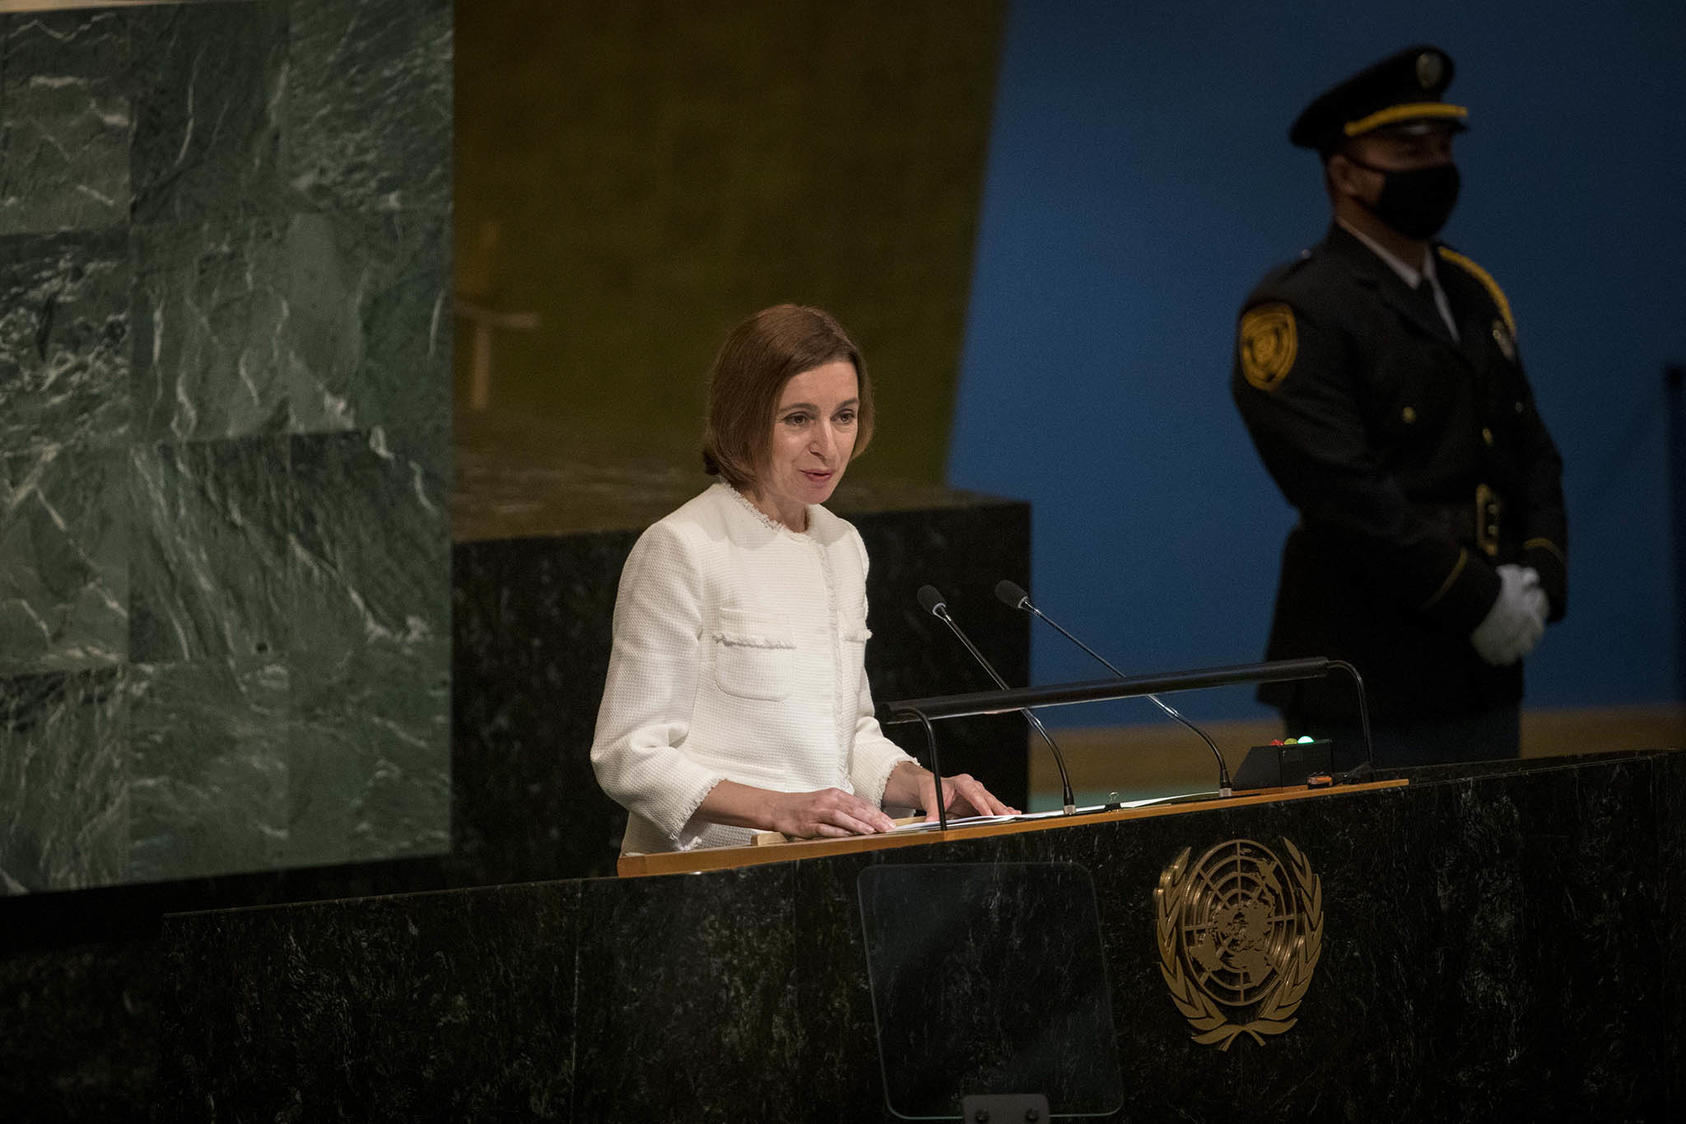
(1430,66)
(1240,933)
(1268,345)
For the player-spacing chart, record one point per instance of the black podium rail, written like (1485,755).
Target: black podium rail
(927,710)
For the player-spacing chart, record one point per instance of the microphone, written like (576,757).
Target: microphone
(1014,597)
(932,602)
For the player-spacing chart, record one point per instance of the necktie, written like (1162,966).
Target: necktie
(1426,294)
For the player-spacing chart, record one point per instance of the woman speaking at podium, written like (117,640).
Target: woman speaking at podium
(737,698)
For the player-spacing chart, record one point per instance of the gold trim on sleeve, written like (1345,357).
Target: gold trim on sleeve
(1546,544)
(1451,579)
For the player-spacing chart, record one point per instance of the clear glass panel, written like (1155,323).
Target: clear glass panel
(989,978)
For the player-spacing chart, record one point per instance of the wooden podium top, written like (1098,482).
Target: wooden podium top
(725,858)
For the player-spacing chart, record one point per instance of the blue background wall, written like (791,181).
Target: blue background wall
(1140,181)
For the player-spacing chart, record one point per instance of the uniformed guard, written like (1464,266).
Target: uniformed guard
(1380,379)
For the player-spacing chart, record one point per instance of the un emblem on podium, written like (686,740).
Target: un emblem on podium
(1240,932)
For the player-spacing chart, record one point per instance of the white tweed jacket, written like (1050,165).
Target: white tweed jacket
(739,654)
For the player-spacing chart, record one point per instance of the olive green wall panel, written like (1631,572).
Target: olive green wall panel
(641,176)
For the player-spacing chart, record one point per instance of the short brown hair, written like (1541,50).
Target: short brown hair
(758,358)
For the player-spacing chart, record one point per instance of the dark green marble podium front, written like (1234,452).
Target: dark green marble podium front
(1495,945)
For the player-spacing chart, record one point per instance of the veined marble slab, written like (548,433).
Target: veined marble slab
(64,780)
(211,568)
(64,340)
(224,437)
(65,122)
(64,597)
(69,5)
(209,90)
(306,323)
(372,565)
(368,108)
(209,783)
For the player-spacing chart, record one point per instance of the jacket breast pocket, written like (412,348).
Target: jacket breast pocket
(753,655)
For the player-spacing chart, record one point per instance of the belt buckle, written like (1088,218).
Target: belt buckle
(1488,509)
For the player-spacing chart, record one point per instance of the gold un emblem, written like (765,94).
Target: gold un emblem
(1240,932)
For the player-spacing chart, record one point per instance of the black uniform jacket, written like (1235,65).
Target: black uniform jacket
(1418,464)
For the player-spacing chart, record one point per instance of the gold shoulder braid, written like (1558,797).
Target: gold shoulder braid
(1487,283)
(1268,344)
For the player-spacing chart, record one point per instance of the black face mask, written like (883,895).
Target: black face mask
(1418,201)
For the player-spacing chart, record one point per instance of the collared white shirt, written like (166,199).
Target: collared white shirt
(1411,276)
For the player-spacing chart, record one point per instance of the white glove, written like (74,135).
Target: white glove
(1536,597)
(1531,580)
(1517,619)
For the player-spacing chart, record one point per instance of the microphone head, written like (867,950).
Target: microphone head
(930,600)
(1011,595)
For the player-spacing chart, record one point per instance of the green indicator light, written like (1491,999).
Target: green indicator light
(1306,738)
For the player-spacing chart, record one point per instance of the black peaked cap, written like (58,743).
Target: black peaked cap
(1403,89)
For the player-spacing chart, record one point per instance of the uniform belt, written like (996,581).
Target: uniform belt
(1477,523)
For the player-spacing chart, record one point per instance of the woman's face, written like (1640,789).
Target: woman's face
(813,437)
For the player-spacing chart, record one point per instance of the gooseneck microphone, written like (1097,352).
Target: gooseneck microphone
(932,602)
(1014,597)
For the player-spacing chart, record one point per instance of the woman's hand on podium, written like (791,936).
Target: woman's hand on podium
(827,812)
(913,786)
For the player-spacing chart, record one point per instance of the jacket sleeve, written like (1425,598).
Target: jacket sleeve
(649,692)
(1545,523)
(872,756)
(1539,487)
(1308,427)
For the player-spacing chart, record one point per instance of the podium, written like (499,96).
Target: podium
(1488,942)
(729,858)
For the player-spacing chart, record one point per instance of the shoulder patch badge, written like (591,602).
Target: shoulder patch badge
(1267,345)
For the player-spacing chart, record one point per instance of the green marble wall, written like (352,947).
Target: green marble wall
(225,355)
